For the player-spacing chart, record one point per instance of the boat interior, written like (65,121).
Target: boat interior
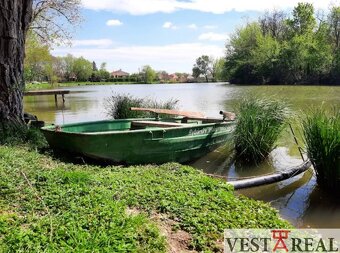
(178,119)
(131,124)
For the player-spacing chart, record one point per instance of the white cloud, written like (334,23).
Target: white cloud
(94,43)
(142,7)
(114,22)
(169,25)
(213,36)
(172,58)
(192,26)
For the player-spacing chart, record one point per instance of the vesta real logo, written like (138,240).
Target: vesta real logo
(282,240)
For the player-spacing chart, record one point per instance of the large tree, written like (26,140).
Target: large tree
(15,17)
(203,66)
(53,21)
(37,59)
(148,74)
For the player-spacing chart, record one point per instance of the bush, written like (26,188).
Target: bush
(259,123)
(118,106)
(322,139)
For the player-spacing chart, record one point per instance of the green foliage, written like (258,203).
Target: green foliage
(148,74)
(240,57)
(100,75)
(203,66)
(49,206)
(259,124)
(38,60)
(322,139)
(218,69)
(82,68)
(303,21)
(118,106)
(18,135)
(280,50)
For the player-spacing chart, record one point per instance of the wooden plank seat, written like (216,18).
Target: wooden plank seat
(144,123)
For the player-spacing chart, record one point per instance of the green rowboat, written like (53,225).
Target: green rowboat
(141,141)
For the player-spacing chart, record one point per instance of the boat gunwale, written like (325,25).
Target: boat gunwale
(51,128)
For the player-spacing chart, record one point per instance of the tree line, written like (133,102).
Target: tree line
(208,68)
(300,48)
(40,65)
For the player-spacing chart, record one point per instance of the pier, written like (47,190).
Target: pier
(48,92)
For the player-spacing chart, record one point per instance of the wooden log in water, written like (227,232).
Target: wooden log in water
(273,178)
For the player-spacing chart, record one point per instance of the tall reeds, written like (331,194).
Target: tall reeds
(118,106)
(321,132)
(259,124)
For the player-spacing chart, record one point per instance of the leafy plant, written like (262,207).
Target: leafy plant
(259,124)
(118,106)
(322,139)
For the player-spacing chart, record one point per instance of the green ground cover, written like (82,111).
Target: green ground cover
(51,206)
(41,86)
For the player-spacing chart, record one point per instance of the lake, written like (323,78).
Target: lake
(299,199)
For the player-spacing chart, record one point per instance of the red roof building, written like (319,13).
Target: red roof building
(119,74)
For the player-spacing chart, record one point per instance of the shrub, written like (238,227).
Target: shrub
(322,139)
(259,123)
(118,106)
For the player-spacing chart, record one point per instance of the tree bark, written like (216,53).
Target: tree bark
(15,17)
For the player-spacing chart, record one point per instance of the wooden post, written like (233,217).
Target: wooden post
(62,95)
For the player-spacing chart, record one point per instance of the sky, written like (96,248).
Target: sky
(165,34)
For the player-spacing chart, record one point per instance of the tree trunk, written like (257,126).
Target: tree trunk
(15,17)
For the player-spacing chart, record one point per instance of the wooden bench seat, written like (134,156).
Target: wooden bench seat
(142,123)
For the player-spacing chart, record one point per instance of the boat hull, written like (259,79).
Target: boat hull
(150,145)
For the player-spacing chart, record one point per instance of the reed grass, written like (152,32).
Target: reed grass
(118,106)
(321,132)
(259,124)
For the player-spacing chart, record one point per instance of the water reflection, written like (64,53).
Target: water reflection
(298,199)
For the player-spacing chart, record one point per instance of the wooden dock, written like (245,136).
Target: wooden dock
(48,92)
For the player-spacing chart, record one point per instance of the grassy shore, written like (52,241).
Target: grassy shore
(41,86)
(51,206)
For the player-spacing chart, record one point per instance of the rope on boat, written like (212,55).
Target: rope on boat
(275,177)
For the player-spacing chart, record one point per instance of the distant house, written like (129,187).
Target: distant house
(183,78)
(163,76)
(72,77)
(119,74)
(173,78)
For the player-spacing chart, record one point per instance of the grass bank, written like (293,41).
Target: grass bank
(51,206)
(41,86)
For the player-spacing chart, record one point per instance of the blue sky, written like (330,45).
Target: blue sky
(166,34)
